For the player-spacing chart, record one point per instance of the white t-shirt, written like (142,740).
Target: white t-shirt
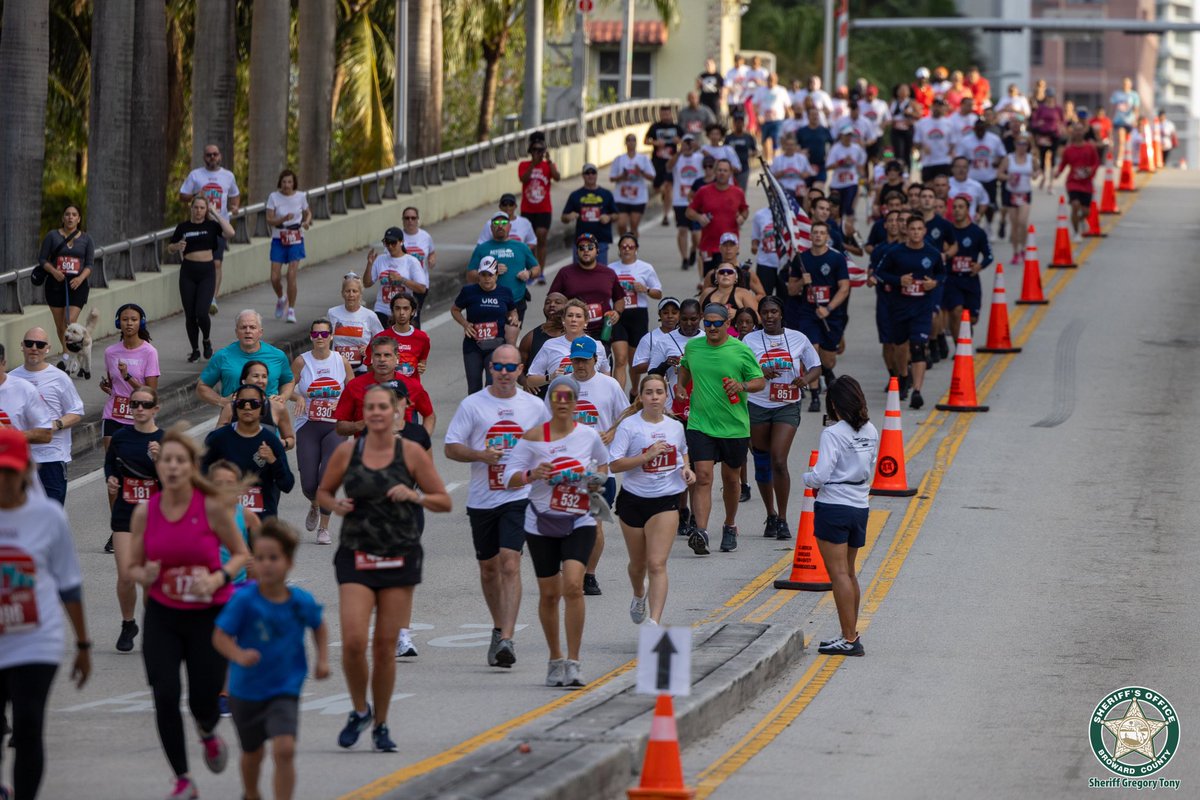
(970,189)
(601,401)
(664,347)
(841,110)
(58,391)
(661,477)
(864,130)
(735,82)
(38,560)
(845,465)
(388,271)
(419,245)
(638,271)
(484,421)
(1010,106)
(781,352)
(762,230)
(566,491)
(556,354)
(688,170)
(22,407)
(936,138)
(771,103)
(723,151)
(353,331)
(217,186)
(876,111)
(291,206)
(791,170)
(632,190)
(519,230)
(963,124)
(845,164)
(641,354)
(984,155)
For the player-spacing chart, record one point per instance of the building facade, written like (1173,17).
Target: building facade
(1179,77)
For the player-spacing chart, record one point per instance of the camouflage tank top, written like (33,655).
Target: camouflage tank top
(377,525)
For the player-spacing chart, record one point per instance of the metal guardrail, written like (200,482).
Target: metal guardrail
(147,253)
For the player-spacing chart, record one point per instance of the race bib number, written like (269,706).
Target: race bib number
(663,462)
(961,265)
(914,289)
(18,591)
(390,285)
(784,393)
(366,561)
(321,409)
(495,477)
(818,295)
(631,296)
(138,490)
(121,409)
(1018,199)
(290,236)
(69,265)
(846,177)
(628,191)
(570,498)
(487,330)
(590,213)
(252,499)
(353,352)
(595,312)
(179,584)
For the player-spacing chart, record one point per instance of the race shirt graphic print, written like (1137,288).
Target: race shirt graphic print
(18,591)
(323,394)
(586,413)
(503,435)
(780,387)
(569,494)
(214,194)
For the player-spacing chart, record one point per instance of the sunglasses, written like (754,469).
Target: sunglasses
(248,403)
(32,345)
(505,367)
(562,397)
(499,223)
(591,172)
(714,323)
(146,404)
(586,247)
(629,247)
(320,334)
(389,242)
(350,275)
(537,149)
(726,272)
(212,155)
(409,217)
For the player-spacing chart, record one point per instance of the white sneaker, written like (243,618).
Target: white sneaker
(314,516)
(291,316)
(637,610)
(213,310)
(280,306)
(404,646)
(323,536)
(573,679)
(1077,238)
(556,672)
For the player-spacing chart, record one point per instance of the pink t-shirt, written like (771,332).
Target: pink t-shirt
(140,363)
(182,547)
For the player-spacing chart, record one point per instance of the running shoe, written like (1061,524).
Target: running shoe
(381,739)
(637,610)
(782,531)
(556,672)
(1077,237)
(840,647)
(698,541)
(129,629)
(943,345)
(184,790)
(108,546)
(404,646)
(917,401)
(216,754)
(314,516)
(814,405)
(904,387)
(207,348)
(685,524)
(212,308)
(355,724)
(827,642)
(506,653)
(1002,230)
(572,678)
(193,357)
(692,259)
(493,648)
(744,497)
(280,307)
(591,587)
(291,316)
(728,538)
(323,536)
(223,705)
(665,222)
(683,265)
(771,529)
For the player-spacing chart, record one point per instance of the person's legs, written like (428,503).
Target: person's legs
(60,325)
(659,535)
(162,652)
(216,288)
(276,279)
(293,283)
(834,556)
(572,592)
(394,609)
(702,492)
(597,551)
(473,363)
(251,767)
(731,489)
(126,588)
(283,751)
(308,457)
(760,448)
(329,443)
(852,571)
(27,688)
(620,352)
(635,544)
(540,248)
(205,669)
(509,594)
(187,297)
(549,594)
(53,475)
(782,435)
(355,604)
(635,219)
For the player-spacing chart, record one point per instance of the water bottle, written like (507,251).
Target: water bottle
(606,331)
(734,398)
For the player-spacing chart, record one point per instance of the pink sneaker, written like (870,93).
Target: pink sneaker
(184,790)
(215,752)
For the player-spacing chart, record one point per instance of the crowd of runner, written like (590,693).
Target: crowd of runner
(598,419)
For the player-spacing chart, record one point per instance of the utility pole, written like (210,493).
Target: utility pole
(400,91)
(625,89)
(579,68)
(827,50)
(535,35)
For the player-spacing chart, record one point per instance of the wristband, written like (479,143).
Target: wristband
(84,644)
(226,576)
(528,477)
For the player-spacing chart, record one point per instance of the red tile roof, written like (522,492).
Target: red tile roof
(611,31)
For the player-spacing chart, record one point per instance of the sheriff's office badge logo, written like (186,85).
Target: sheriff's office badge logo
(1134,733)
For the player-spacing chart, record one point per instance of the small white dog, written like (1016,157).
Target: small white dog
(77,361)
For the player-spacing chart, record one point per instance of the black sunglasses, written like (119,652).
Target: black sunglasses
(248,402)
(505,367)
(412,218)
(587,247)
(147,404)
(726,272)
(390,242)
(30,343)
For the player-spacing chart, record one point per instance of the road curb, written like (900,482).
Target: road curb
(594,748)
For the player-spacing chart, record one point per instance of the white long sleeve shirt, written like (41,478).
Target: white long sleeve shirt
(845,465)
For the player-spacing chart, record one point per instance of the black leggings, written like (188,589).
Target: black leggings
(27,688)
(171,637)
(477,363)
(197,285)
(902,146)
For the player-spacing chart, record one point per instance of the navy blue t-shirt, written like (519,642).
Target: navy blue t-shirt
(814,141)
(973,245)
(490,309)
(878,234)
(590,204)
(939,232)
(921,263)
(227,443)
(826,270)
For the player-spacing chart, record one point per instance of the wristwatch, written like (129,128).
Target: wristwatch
(58,426)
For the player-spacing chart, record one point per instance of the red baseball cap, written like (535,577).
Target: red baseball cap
(14,450)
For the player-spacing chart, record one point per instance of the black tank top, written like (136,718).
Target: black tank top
(377,525)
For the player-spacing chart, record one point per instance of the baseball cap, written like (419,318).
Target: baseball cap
(667,301)
(922,72)
(487,264)
(393,234)
(585,237)
(14,450)
(501,216)
(583,347)
(687,137)
(508,199)
(589,168)
(729,238)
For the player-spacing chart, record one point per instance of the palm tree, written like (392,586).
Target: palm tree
(270,70)
(420,78)
(318,29)
(364,75)
(148,129)
(214,79)
(24,65)
(108,143)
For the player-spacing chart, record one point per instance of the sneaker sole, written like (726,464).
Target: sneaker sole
(505,659)
(697,544)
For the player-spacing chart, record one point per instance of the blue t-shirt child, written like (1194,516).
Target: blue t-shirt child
(276,631)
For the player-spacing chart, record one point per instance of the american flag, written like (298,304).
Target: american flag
(792,225)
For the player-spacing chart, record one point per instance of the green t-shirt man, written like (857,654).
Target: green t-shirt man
(514,255)
(711,412)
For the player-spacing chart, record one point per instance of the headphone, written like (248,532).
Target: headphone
(135,307)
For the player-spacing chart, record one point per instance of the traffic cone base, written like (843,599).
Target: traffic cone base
(891,478)
(1042,302)
(808,568)
(962,381)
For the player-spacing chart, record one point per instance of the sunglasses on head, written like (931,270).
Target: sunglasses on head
(252,403)
(146,404)
(505,367)
(714,323)
(33,345)
(319,334)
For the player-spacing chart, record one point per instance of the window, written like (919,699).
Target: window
(1083,52)
(642,83)
(1035,49)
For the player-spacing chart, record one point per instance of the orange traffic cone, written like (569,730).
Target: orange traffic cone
(808,568)
(1108,195)
(662,769)
(1145,160)
(998,338)
(962,382)
(1127,184)
(1158,145)
(1093,223)
(1062,239)
(890,478)
(1031,284)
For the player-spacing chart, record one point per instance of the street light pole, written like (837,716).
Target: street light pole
(535,35)
(400,91)
(625,89)
(827,51)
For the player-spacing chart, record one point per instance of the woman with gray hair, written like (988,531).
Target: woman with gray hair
(353,326)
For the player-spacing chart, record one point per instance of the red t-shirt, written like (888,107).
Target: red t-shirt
(599,287)
(924,96)
(350,404)
(981,90)
(1081,162)
(411,349)
(724,207)
(1102,127)
(535,194)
